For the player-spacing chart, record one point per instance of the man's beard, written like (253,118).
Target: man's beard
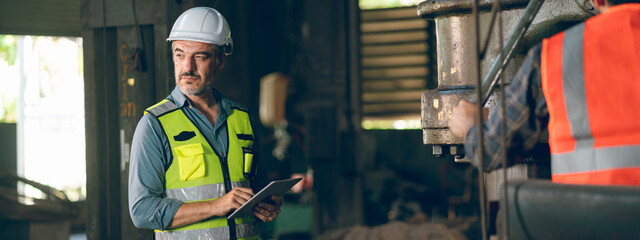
(206,86)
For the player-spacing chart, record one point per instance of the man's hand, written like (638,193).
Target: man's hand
(193,212)
(269,210)
(463,117)
(231,201)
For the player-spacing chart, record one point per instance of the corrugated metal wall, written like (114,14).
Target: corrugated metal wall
(394,62)
(40,17)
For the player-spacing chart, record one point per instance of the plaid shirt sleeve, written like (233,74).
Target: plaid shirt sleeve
(527,117)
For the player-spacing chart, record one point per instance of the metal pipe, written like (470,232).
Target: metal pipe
(436,8)
(503,112)
(523,24)
(488,84)
(480,150)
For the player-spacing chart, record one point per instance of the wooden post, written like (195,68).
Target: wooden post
(126,70)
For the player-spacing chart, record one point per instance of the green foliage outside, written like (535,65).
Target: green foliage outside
(8,48)
(7,111)
(376,4)
(8,51)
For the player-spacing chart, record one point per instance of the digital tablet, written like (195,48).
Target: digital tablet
(278,187)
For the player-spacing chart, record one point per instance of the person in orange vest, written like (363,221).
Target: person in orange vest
(585,84)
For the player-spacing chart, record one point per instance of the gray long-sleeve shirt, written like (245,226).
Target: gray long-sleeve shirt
(151,157)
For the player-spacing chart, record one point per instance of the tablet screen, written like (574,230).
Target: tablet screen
(278,187)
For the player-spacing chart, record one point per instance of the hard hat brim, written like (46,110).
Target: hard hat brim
(227,48)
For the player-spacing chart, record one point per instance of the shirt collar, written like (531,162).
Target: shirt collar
(224,103)
(179,98)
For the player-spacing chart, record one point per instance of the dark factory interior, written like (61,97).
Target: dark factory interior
(353,96)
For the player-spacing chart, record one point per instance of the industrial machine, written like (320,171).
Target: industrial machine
(455,31)
(475,49)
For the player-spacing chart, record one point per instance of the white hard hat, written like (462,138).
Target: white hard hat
(203,24)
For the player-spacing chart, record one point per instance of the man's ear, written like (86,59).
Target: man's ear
(221,60)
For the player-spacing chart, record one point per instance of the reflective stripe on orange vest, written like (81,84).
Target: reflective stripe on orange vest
(591,82)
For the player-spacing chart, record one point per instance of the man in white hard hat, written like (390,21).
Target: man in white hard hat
(194,154)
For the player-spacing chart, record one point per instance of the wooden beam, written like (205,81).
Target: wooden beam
(136,85)
(394,49)
(381,26)
(393,37)
(397,13)
(101,124)
(40,17)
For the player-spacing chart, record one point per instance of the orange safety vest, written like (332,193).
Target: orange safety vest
(591,82)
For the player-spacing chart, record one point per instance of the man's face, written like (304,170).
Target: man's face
(195,65)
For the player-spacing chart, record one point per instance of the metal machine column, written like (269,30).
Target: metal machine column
(455,26)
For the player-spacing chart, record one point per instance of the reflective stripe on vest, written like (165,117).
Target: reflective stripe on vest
(210,191)
(196,171)
(591,82)
(245,231)
(162,107)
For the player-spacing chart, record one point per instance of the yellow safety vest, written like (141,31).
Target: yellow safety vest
(198,173)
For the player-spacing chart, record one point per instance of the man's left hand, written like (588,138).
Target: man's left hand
(268,211)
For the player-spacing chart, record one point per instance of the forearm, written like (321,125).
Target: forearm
(189,213)
(148,209)
(492,149)
(149,212)
(194,212)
